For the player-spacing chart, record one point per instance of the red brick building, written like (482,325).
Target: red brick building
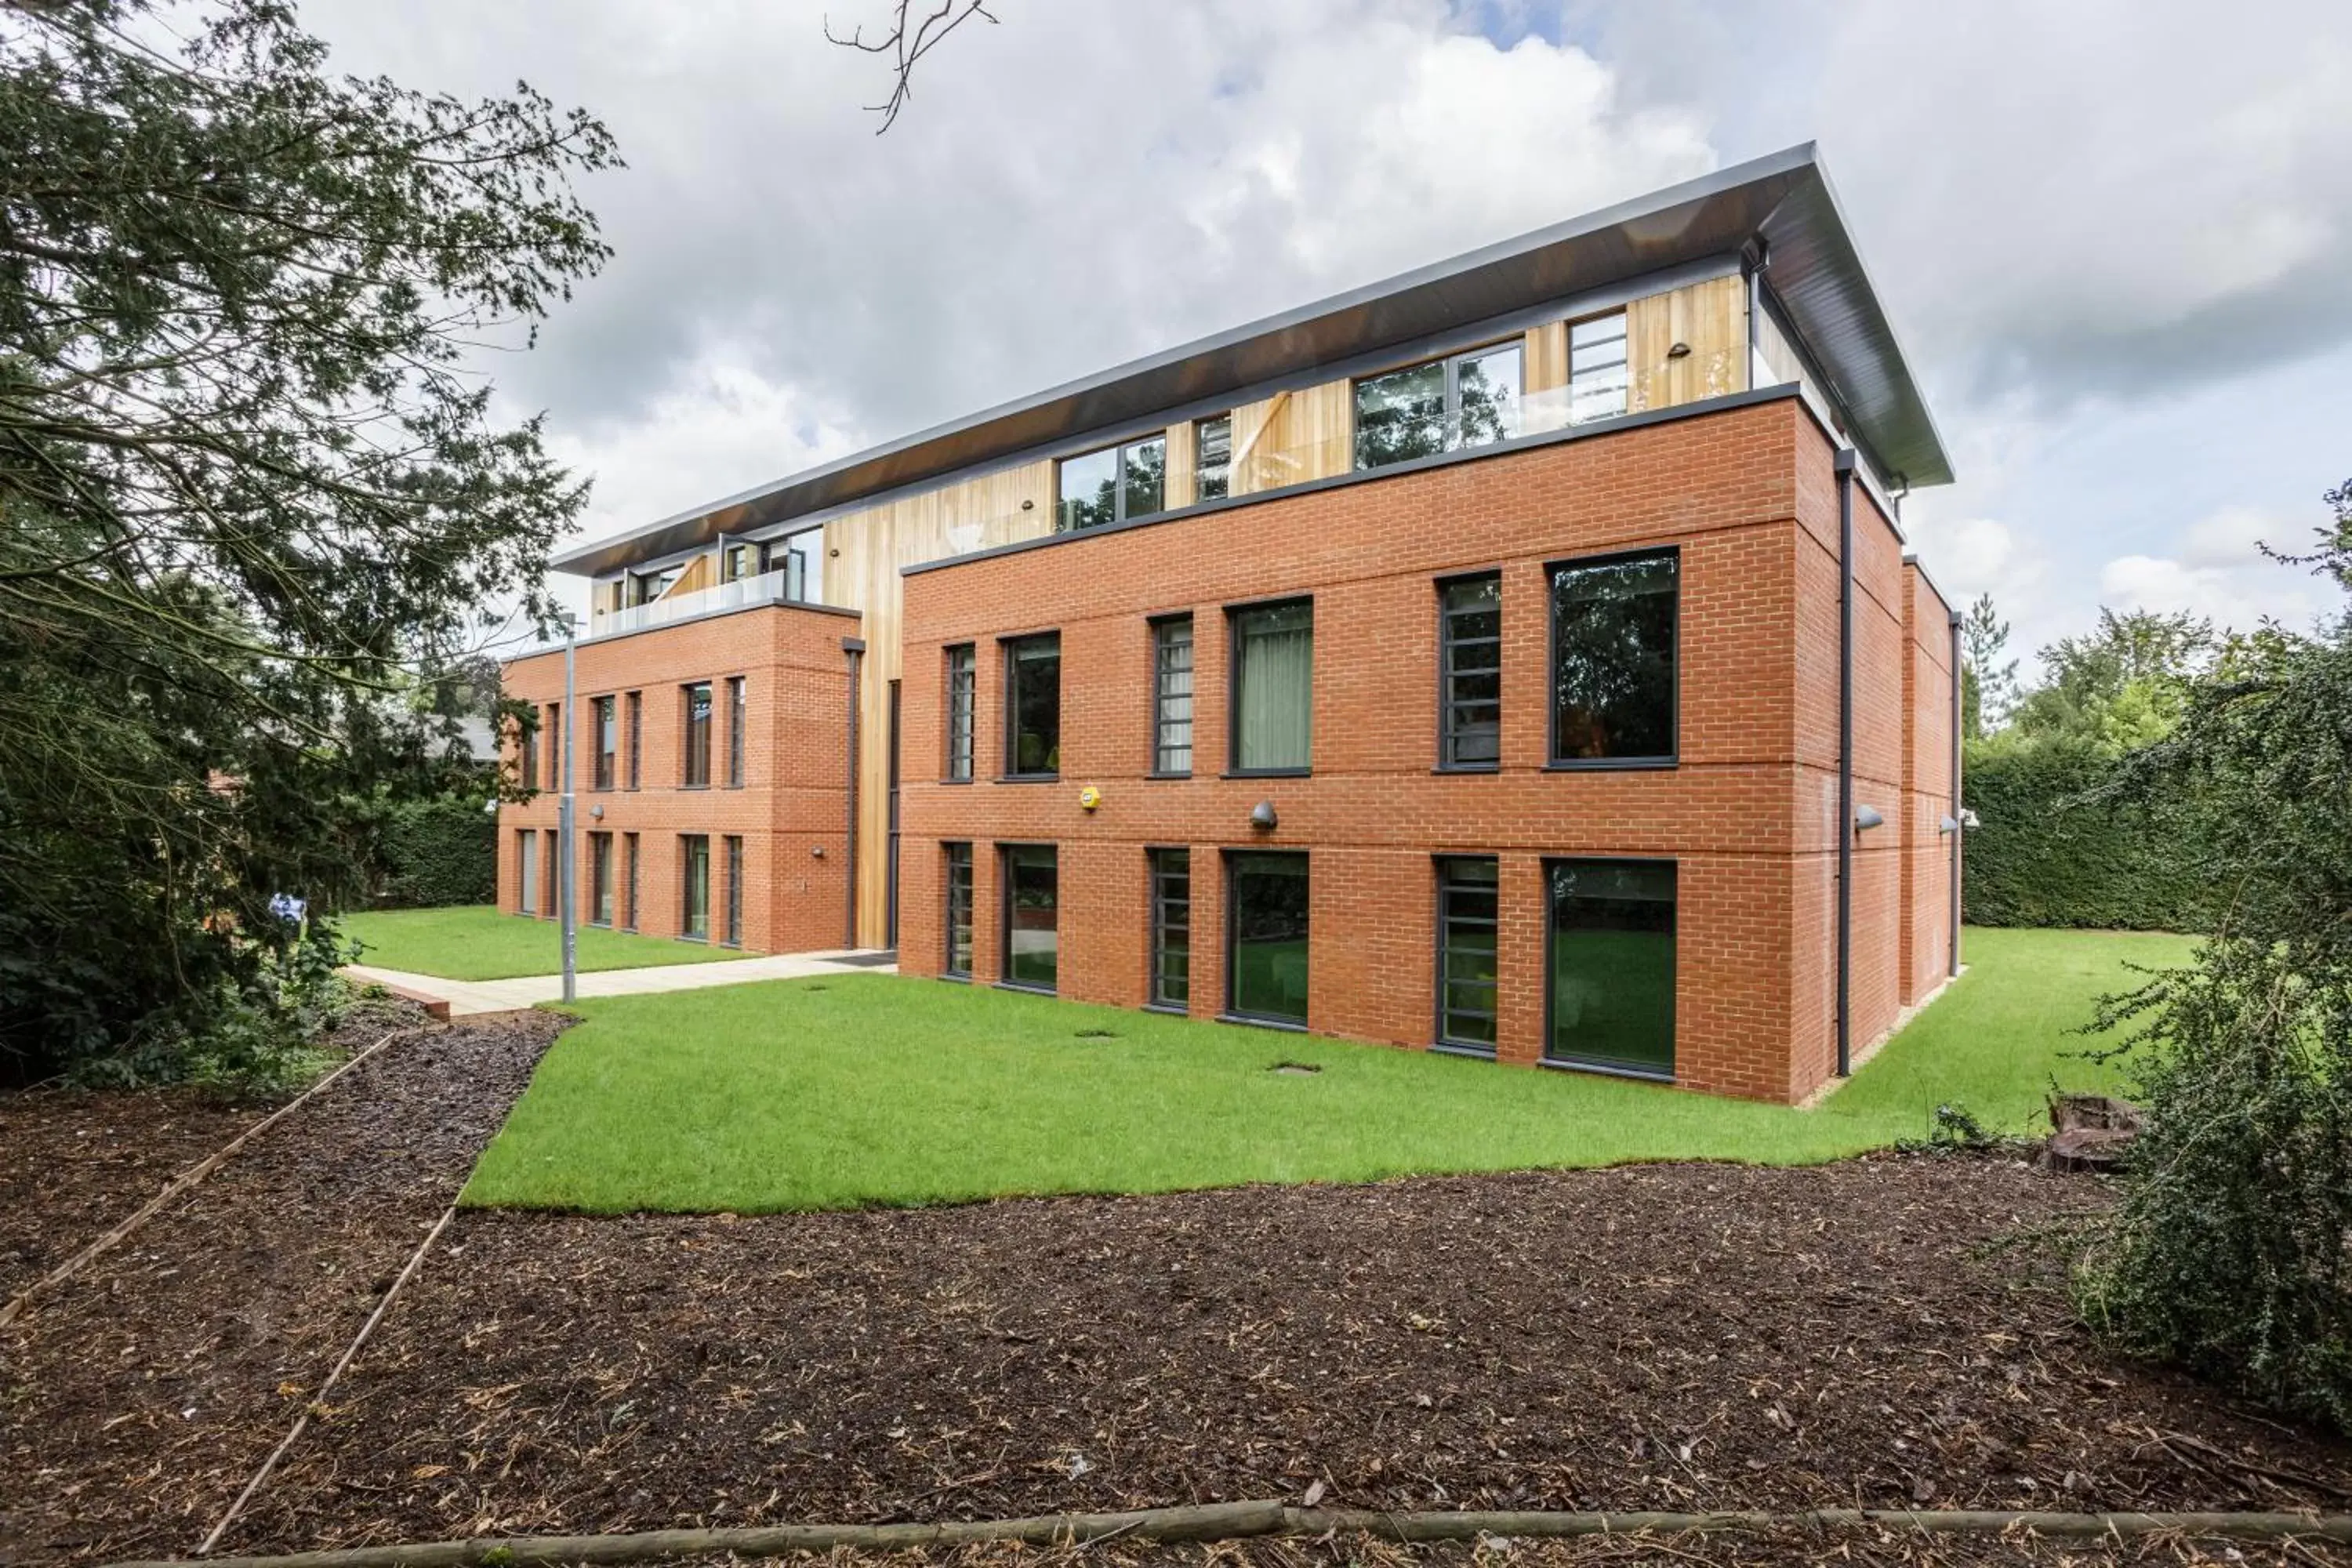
(1519,658)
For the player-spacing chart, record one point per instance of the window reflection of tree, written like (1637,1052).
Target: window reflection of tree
(1613,659)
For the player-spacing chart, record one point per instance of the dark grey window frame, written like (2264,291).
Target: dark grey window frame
(686,843)
(630,855)
(1160,625)
(1004,980)
(949,862)
(1118,451)
(1005,649)
(695,745)
(1158,904)
(555,746)
(1233,689)
(1451,416)
(1553,760)
(1450,1044)
(600,880)
(962,737)
(527,871)
(739,709)
(1674,1018)
(1198,469)
(527,753)
(1447,644)
(637,710)
(734,859)
(606,716)
(1232,1013)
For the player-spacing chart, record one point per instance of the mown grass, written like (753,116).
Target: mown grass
(477,941)
(875,1089)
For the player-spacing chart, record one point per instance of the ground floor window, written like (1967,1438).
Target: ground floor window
(734,891)
(600,878)
(1266,946)
(957,859)
(1611,964)
(1465,951)
(1032,916)
(629,881)
(1172,928)
(526,871)
(694,915)
(552,886)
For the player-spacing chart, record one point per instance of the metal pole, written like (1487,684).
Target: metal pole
(564,863)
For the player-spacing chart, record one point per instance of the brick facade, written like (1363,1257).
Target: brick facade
(791,810)
(1747,812)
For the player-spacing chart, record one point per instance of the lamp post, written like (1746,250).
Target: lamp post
(564,874)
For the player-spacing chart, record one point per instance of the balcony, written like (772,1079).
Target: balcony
(783,586)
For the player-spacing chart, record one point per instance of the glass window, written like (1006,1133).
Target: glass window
(734,891)
(1032,935)
(1613,660)
(1266,952)
(1172,700)
(1611,964)
(1274,687)
(1596,368)
(629,881)
(526,872)
(600,878)
(608,740)
(740,561)
(1465,951)
(555,779)
(962,685)
(636,737)
(527,749)
(1470,672)
(694,920)
(1171,927)
(1213,457)
(697,734)
(737,711)
(551,881)
(1114,484)
(958,873)
(1469,400)
(645,587)
(1032,706)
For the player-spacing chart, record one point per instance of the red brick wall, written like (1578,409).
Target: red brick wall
(791,811)
(1929,793)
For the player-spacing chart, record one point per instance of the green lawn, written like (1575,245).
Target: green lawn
(480,943)
(875,1089)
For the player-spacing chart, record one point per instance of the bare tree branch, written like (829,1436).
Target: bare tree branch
(906,47)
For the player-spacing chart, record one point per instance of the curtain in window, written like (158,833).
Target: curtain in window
(1274,702)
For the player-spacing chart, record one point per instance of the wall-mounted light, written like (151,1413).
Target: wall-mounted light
(1262,817)
(596,813)
(1947,825)
(1969,819)
(1866,817)
(816,851)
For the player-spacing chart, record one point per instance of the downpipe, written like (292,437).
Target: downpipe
(1846,459)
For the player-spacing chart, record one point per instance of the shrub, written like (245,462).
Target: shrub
(2052,850)
(437,852)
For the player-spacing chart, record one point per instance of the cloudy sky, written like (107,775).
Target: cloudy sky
(2115,234)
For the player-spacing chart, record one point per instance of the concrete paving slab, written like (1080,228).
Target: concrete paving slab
(468,997)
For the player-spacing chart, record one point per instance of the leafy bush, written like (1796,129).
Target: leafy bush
(438,852)
(2052,849)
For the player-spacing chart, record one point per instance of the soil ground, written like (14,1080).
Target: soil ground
(1886,1331)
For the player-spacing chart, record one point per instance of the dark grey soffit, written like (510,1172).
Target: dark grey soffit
(1785,199)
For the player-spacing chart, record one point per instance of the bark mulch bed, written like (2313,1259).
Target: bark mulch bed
(136,1399)
(1658,1338)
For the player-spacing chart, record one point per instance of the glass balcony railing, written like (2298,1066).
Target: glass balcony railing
(778,587)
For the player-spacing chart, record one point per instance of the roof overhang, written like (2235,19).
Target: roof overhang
(1784,200)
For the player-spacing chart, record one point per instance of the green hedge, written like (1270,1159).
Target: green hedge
(437,852)
(2043,854)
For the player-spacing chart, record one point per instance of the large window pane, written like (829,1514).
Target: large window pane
(629,881)
(1171,927)
(1032,706)
(1171,649)
(1470,678)
(1212,447)
(608,740)
(526,872)
(600,878)
(1401,414)
(527,750)
(1274,687)
(958,874)
(1266,945)
(1089,494)
(734,937)
(738,714)
(1032,933)
(1596,368)
(1613,963)
(636,737)
(698,735)
(1143,470)
(1465,951)
(1486,396)
(1613,625)
(960,689)
(694,917)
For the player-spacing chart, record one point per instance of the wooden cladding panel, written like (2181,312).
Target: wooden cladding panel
(1305,434)
(1547,357)
(1184,467)
(1711,319)
(699,574)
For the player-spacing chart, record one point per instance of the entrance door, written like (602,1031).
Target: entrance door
(890,909)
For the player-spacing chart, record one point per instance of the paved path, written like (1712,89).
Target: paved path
(469,997)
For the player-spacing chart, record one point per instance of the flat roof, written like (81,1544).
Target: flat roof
(1784,200)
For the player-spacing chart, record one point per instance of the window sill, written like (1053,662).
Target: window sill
(1155,773)
(1268,773)
(1453,1048)
(1606,1069)
(1467,768)
(952,978)
(697,788)
(1028,778)
(698,940)
(1026,990)
(1613,764)
(1282,1026)
(1168,1009)
(958,781)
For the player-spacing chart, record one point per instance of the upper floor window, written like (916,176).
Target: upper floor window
(1274,687)
(1213,457)
(1613,624)
(555,747)
(637,739)
(527,748)
(1112,485)
(1468,400)
(1172,695)
(962,686)
(739,562)
(608,741)
(1032,706)
(697,734)
(645,587)
(737,712)
(1470,673)
(1596,368)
